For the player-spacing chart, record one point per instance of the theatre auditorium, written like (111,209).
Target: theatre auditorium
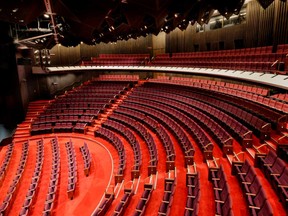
(144,108)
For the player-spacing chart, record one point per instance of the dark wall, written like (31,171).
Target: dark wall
(11,108)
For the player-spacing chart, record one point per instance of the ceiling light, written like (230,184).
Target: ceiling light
(15,10)
(46,16)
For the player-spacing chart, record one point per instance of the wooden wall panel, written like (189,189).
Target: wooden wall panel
(61,55)
(158,43)
(280,31)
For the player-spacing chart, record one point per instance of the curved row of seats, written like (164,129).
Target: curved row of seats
(7,203)
(124,202)
(182,138)
(223,202)
(86,158)
(5,162)
(188,81)
(77,107)
(144,200)
(193,195)
(253,59)
(254,192)
(186,115)
(255,97)
(33,188)
(276,172)
(261,128)
(158,117)
(72,169)
(129,136)
(124,116)
(234,127)
(117,143)
(51,195)
(167,200)
(276,118)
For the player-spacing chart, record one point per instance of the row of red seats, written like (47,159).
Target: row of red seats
(72,169)
(117,143)
(33,188)
(241,132)
(118,127)
(281,48)
(167,121)
(241,87)
(276,171)
(86,155)
(269,102)
(255,194)
(144,200)
(123,55)
(118,77)
(167,200)
(8,201)
(52,194)
(193,195)
(5,163)
(127,117)
(223,203)
(185,113)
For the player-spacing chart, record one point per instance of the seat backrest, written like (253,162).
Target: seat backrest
(260,198)
(266,210)
(283,179)
(255,186)
(278,167)
(271,157)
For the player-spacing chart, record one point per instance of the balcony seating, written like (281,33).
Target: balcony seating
(118,59)
(236,59)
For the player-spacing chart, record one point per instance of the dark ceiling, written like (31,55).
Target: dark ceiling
(95,21)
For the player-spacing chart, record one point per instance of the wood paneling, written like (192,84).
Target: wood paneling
(262,28)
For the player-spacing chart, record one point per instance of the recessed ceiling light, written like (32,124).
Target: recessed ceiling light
(15,10)
(21,21)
